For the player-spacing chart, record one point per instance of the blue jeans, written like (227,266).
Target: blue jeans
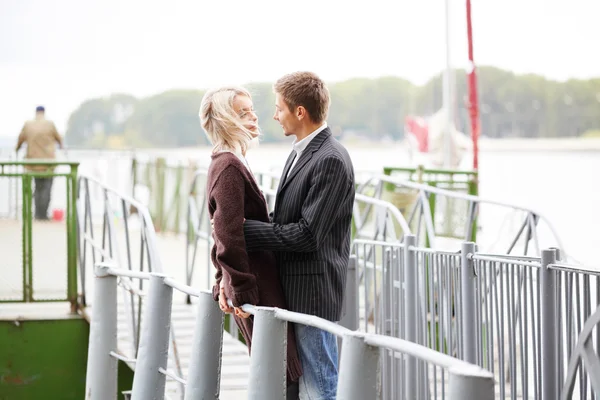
(319,357)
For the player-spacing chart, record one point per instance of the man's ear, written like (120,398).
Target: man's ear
(300,112)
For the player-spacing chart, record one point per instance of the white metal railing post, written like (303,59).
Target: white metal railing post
(148,382)
(268,359)
(359,369)
(470,384)
(101,375)
(204,374)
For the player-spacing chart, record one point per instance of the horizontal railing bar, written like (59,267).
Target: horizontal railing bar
(424,353)
(304,319)
(389,206)
(35,175)
(125,272)
(510,256)
(311,320)
(44,162)
(185,288)
(593,270)
(378,243)
(34,300)
(468,197)
(386,342)
(368,264)
(143,212)
(461,196)
(122,358)
(459,173)
(172,375)
(501,260)
(249,308)
(433,251)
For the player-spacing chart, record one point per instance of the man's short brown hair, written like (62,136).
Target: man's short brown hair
(305,89)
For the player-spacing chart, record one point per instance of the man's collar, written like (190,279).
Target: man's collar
(299,146)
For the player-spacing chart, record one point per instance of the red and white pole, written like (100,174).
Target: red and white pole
(472,86)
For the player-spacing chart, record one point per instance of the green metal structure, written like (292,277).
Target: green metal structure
(463,181)
(26,177)
(43,358)
(44,342)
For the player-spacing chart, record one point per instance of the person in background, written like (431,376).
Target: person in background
(41,138)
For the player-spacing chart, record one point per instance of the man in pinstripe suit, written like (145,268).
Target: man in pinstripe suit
(310,226)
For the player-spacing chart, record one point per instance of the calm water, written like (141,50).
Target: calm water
(560,185)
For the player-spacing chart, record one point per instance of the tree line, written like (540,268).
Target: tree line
(375,109)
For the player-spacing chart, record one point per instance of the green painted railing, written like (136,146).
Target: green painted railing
(16,169)
(463,181)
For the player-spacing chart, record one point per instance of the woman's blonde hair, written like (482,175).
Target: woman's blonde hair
(223,126)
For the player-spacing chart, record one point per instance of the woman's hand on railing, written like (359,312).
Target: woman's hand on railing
(226,308)
(239,313)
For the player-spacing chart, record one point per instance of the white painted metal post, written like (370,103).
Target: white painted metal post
(470,384)
(350,311)
(359,370)
(148,382)
(204,375)
(410,311)
(268,359)
(549,369)
(101,374)
(470,330)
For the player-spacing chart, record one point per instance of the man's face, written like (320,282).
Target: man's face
(286,118)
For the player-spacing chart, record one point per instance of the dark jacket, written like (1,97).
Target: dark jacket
(310,229)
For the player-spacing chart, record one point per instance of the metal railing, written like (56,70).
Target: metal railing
(511,314)
(576,299)
(507,228)
(114,228)
(359,360)
(518,317)
(584,360)
(199,229)
(19,205)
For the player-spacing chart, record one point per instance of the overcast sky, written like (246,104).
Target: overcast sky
(61,52)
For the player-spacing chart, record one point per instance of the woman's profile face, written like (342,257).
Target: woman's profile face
(245,110)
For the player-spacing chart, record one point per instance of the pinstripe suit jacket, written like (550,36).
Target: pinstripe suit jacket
(310,228)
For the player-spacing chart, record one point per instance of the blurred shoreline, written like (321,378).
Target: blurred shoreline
(485,144)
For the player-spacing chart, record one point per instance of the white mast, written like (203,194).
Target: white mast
(448,93)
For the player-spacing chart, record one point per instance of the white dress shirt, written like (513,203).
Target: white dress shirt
(300,146)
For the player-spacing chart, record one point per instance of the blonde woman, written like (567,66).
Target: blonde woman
(230,122)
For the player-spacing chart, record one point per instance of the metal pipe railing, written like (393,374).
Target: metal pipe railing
(423,294)
(509,314)
(511,304)
(359,360)
(115,225)
(426,197)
